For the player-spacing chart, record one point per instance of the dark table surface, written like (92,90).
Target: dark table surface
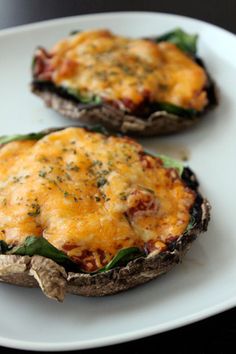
(216,334)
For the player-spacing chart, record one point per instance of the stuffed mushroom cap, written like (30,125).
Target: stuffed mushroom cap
(136,86)
(92,214)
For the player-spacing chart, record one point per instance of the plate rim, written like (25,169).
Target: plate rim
(119,339)
(135,334)
(62,20)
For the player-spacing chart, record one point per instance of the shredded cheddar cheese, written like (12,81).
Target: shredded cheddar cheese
(90,195)
(126,72)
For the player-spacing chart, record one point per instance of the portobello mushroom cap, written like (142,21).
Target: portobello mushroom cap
(159,122)
(55,281)
(147,118)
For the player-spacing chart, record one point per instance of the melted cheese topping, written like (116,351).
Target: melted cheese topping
(90,196)
(127,71)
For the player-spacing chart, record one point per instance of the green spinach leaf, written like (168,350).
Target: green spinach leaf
(83,99)
(168,162)
(178,111)
(40,246)
(183,40)
(123,257)
(5,139)
(9,138)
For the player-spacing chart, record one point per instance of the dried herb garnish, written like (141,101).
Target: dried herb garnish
(42,173)
(101,182)
(35,209)
(72,167)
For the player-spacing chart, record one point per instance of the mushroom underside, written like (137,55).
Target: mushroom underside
(157,123)
(55,282)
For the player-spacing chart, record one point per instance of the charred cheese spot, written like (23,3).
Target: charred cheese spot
(90,195)
(125,72)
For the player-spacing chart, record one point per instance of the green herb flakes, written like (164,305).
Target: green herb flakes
(35,209)
(72,167)
(101,182)
(42,173)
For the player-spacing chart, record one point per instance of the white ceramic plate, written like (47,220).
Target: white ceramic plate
(205,283)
